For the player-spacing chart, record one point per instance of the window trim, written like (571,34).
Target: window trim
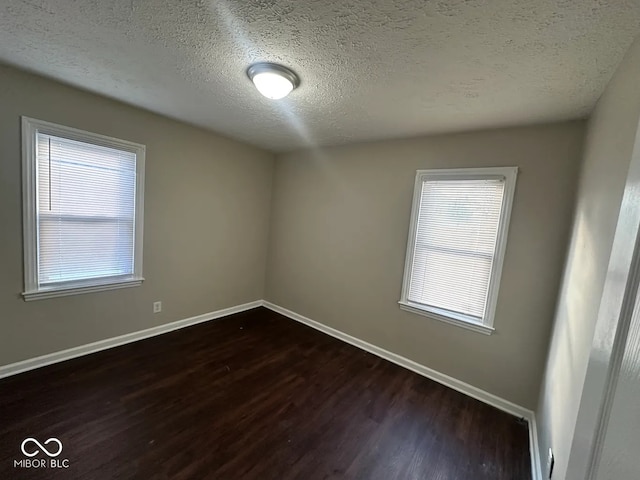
(32,291)
(486,326)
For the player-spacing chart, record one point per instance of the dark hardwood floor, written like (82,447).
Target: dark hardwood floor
(252,396)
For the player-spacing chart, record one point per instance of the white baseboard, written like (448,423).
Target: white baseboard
(534,449)
(44,360)
(439,377)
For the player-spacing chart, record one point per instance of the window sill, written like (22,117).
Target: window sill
(473,326)
(80,289)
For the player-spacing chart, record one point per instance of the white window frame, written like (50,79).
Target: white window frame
(32,290)
(486,326)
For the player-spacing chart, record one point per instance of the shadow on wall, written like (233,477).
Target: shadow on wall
(568,355)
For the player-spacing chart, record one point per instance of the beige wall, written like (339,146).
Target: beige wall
(608,149)
(207,201)
(339,229)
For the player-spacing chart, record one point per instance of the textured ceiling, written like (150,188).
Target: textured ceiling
(370,69)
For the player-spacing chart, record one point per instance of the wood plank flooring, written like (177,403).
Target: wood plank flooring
(252,396)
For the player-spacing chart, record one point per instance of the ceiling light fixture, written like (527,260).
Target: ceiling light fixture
(272,80)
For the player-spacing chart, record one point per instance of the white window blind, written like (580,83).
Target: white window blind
(86,210)
(456,242)
(83,210)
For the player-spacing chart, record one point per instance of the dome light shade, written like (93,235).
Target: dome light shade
(272,80)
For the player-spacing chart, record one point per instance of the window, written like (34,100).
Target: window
(83,205)
(457,241)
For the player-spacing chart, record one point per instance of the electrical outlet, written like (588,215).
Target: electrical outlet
(157,307)
(550,463)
